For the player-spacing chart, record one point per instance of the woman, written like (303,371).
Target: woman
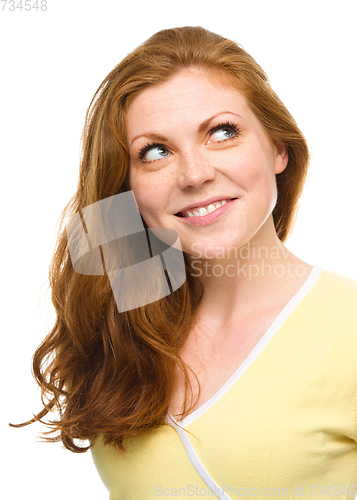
(242,380)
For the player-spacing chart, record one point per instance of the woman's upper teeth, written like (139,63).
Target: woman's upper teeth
(200,211)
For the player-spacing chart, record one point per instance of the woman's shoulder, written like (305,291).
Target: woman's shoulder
(334,297)
(330,324)
(338,284)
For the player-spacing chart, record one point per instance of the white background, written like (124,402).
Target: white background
(51,64)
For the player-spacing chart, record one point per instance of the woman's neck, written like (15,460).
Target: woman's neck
(249,277)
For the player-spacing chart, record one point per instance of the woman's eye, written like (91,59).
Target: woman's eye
(222,134)
(154,153)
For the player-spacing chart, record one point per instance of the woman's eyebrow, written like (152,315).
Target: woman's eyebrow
(201,128)
(157,137)
(205,124)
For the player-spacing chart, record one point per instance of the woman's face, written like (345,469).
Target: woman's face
(194,141)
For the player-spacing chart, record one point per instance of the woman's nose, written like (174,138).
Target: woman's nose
(194,171)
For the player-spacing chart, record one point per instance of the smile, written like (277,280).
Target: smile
(202,216)
(200,211)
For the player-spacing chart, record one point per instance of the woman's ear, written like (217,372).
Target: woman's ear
(281,156)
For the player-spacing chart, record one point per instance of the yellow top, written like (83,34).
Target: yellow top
(284,424)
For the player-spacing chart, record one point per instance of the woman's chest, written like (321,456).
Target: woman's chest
(214,356)
(274,428)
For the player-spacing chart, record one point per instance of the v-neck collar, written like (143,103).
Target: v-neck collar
(268,335)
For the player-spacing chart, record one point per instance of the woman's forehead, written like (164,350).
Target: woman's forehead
(182,78)
(192,91)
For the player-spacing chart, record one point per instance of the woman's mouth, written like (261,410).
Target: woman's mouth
(205,215)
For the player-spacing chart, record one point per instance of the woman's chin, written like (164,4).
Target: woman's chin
(210,252)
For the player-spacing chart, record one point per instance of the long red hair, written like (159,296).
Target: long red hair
(112,373)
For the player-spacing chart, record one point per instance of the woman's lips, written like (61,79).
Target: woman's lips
(207,219)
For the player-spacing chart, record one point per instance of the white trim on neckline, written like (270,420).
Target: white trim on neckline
(196,462)
(269,334)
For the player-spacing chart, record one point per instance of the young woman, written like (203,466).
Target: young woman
(242,381)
